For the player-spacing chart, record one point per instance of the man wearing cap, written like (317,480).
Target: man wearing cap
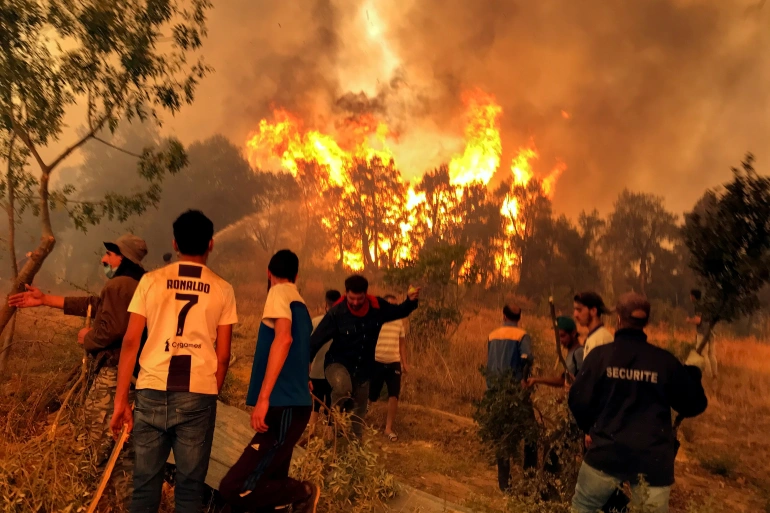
(509,349)
(589,308)
(121,265)
(623,397)
(568,337)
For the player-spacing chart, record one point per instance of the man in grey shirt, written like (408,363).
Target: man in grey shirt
(319,386)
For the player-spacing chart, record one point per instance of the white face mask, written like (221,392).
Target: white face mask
(109,272)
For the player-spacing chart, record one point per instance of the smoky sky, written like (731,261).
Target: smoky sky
(662,96)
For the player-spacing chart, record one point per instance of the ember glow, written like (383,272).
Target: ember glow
(354,156)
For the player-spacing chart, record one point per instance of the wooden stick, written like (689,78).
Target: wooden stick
(108,470)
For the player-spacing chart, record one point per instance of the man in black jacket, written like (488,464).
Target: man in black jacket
(353,325)
(623,398)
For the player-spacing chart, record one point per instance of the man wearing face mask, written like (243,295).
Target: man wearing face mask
(121,265)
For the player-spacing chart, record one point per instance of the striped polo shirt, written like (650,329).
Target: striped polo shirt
(387,350)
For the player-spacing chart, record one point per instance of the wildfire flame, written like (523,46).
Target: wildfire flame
(481,157)
(285,140)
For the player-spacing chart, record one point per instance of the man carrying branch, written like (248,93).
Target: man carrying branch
(122,266)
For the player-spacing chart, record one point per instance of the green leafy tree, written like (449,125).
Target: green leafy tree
(437,268)
(639,229)
(112,60)
(216,170)
(728,235)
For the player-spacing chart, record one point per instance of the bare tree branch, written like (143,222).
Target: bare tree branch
(106,143)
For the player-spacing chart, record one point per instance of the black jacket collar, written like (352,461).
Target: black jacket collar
(630,335)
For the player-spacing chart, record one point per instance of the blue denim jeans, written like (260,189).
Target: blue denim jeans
(594,489)
(184,422)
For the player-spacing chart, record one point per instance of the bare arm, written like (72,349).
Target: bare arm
(279,350)
(696,320)
(128,353)
(34,297)
(551,382)
(53,301)
(402,351)
(224,337)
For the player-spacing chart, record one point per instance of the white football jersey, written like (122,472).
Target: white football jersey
(184,303)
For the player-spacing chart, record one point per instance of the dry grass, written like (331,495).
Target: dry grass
(445,376)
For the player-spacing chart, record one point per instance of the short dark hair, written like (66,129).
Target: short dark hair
(633,310)
(512,312)
(332,296)
(592,300)
(356,284)
(193,232)
(696,294)
(284,264)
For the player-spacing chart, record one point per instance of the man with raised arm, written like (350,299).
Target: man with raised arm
(189,313)
(354,326)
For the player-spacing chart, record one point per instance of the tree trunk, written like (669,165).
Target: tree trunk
(643,276)
(36,257)
(10,182)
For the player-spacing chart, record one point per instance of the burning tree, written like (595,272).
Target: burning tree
(349,180)
(377,199)
(101,58)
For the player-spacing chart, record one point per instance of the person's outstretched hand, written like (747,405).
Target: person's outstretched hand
(29,299)
(413,293)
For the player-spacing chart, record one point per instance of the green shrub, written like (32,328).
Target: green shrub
(347,471)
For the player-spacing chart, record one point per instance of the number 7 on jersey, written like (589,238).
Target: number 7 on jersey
(192,300)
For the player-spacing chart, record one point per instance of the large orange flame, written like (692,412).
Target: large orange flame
(285,141)
(481,157)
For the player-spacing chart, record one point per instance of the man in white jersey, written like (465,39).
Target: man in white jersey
(189,313)
(589,308)
(389,366)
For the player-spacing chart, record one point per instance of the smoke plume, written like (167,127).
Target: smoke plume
(660,96)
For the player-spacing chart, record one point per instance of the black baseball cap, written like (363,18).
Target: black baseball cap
(592,300)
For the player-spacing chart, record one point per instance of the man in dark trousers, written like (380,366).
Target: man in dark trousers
(509,349)
(623,397)
(259,480)
(354,326)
